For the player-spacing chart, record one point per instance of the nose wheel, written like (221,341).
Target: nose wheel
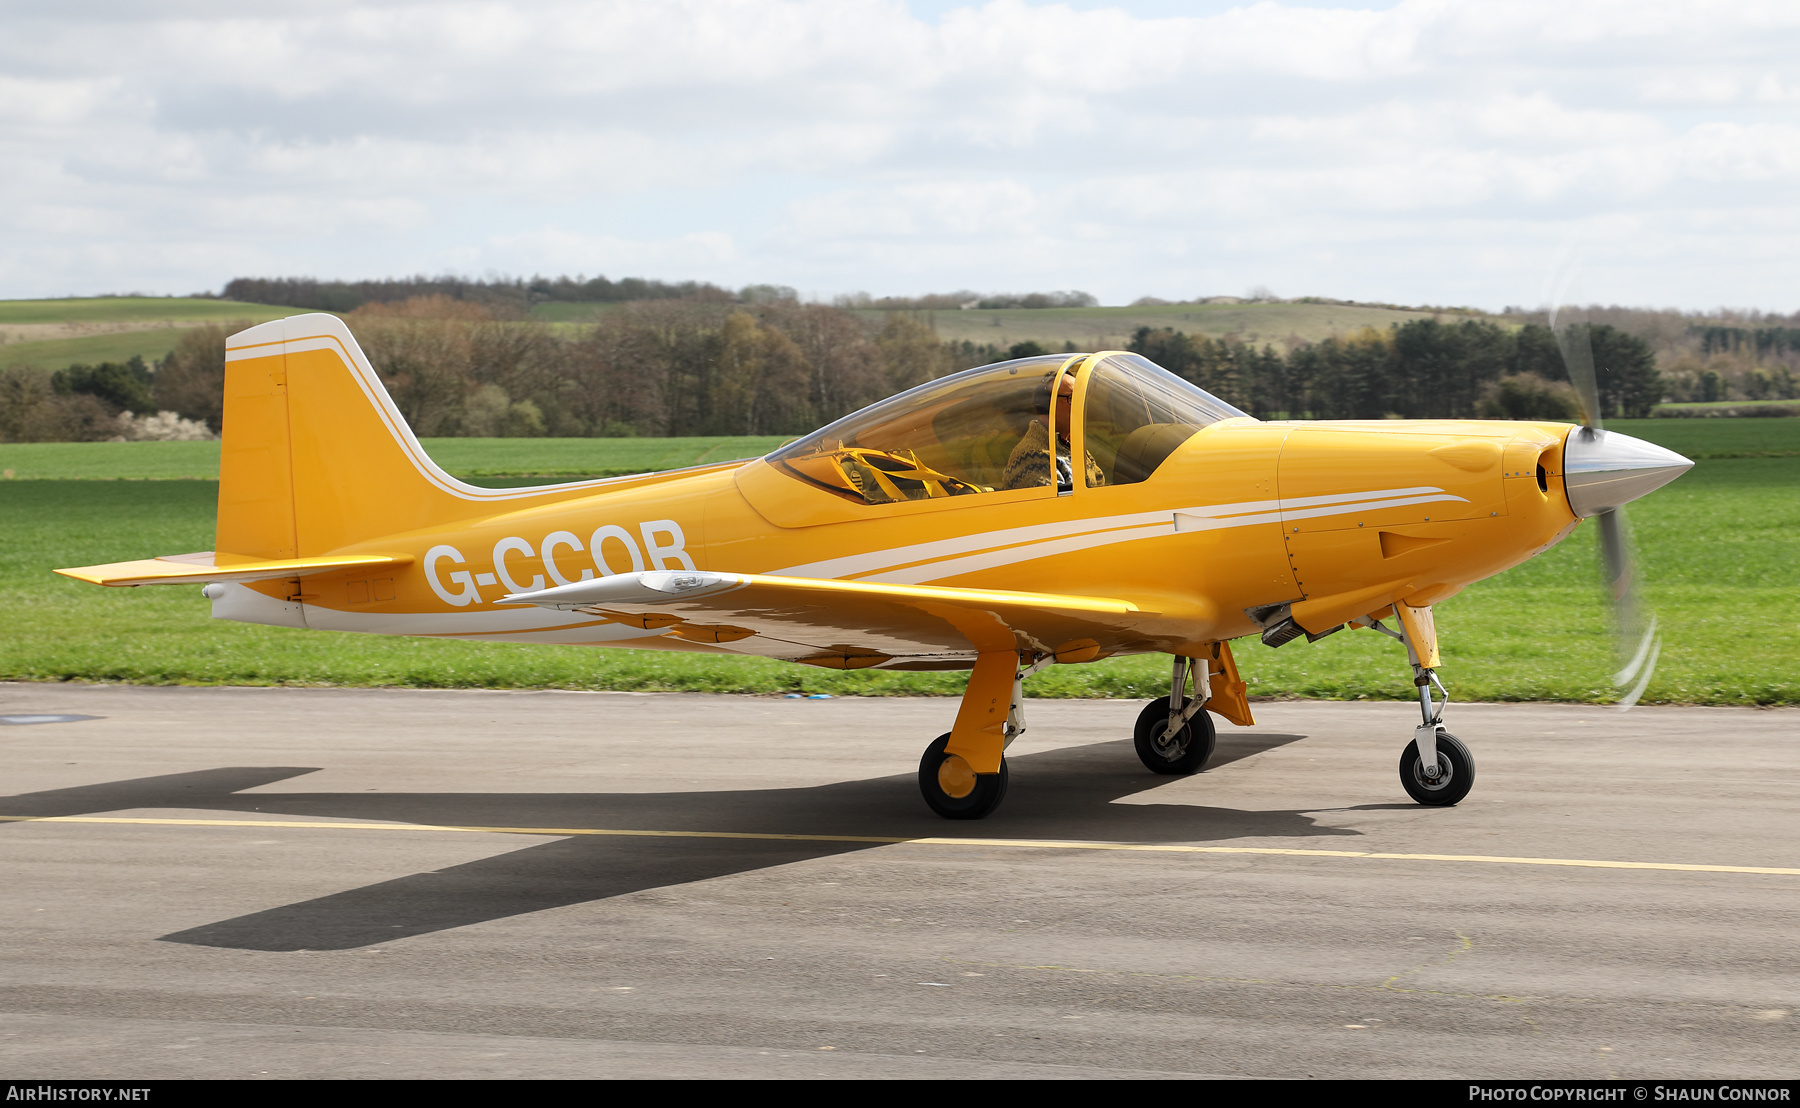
(1436,769)
(1455,772)
(953,789)
(1184,752)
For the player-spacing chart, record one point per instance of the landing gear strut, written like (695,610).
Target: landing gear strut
(963,773)
(1436,769)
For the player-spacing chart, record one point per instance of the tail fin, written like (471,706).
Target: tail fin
(316,457)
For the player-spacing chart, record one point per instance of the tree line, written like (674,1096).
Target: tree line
(1421,369)
(660,367)
(504,298)
(339,296)
(769,364)
(1725,354)
(176,398)
(514,297)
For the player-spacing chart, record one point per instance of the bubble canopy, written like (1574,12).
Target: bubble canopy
(1006,426)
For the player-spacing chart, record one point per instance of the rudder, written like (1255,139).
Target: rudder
(314,456)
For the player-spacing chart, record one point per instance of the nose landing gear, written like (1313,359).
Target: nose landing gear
(1435,768)
(1455,772)
(1174,734)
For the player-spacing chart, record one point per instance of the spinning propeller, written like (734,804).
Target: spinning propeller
(1602,471)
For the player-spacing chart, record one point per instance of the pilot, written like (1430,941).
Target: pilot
(1029,465)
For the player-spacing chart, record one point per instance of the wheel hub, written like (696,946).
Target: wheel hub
(1173,747)
(956,777)
(1441,780)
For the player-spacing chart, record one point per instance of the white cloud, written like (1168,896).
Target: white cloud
(1430,151)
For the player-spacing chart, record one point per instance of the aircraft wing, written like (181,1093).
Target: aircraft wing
(207,567)
(846,624)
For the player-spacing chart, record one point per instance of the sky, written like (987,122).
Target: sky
(1442,152)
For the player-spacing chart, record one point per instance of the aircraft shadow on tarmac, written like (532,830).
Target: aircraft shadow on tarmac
(1057,794)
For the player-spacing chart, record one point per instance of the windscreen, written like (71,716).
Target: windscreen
(1137,413)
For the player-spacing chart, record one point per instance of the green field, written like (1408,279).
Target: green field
(480,459)
(135,309)
(1717,438)
(475,459)
(1737,409)
(1111,328)
(1107,328)
(114,346)
(560,311)
(1718,556)
(52,334)
(472,459)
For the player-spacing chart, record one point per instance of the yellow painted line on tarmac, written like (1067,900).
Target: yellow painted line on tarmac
(1017,844)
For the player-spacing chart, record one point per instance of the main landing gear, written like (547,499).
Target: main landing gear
(952,787)
(963,773)
(1436,769)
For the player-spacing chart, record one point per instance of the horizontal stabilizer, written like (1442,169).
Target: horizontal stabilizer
(207,567)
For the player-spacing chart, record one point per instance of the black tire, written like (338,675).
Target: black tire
(1186,753)
(1456,775)
(988,790)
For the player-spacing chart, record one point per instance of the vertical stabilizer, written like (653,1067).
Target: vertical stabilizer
(315,457)
(256,480)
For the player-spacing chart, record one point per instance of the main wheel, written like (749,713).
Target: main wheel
(953,789)
(1456,772)
(1185,753)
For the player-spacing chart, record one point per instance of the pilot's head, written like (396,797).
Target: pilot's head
(1065,398)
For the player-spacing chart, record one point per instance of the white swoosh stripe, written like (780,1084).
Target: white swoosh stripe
(988,548)
(1341,498)
(856,564)
(933,571)
(902,565)
(936,571)
(1398,502)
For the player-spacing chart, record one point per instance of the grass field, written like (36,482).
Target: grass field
(151,344)
(52,334)
(1718,555)
(1111,328)
(471,459)
(564,312)
(1107,328)
(1718,438)
(479,459)
(1087,328)
(134,309)
(1730,408)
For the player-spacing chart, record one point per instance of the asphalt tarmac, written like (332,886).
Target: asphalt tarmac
(299,883)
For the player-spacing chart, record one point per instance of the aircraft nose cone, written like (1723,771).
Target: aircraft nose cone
(1604,469)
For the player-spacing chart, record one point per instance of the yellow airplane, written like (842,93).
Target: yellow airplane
(1049,510)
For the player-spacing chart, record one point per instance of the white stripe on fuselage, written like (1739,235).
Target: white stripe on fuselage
(932,561)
